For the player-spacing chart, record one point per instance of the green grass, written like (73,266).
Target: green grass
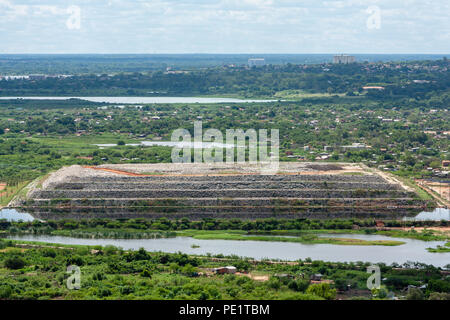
(10,192)
(440,249)
(423,195)
(296,94)
(428,235)
(305,238)
(83,144)
(104,233)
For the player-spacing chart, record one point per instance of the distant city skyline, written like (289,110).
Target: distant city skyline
(225,26)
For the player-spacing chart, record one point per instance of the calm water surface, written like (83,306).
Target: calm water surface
(155,100)
(412,250)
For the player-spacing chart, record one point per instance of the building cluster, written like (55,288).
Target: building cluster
(344,59)
(34,77)
(256,62)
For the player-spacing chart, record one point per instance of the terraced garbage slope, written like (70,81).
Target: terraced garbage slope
(195,191)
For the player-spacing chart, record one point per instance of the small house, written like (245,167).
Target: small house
(225,270)
(317,277)
(379,224)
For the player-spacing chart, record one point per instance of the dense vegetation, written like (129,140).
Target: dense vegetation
(403,128)
(31,272)
(34,140)
(270,80)
(404,124)
(163,227)
(24,64)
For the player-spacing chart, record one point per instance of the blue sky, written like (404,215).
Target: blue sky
(225,26)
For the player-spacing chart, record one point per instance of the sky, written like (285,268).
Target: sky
(225,26)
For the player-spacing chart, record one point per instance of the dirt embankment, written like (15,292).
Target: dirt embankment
(2,187)
(444,230)
(439,191)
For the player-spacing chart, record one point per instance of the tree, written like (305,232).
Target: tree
(439,296)
(146,273)
(299,285)
(322,290)
(414,294)
(189,270)
(14,263)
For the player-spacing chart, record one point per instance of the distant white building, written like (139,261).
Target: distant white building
(344,59)
(256,62)
(355,145)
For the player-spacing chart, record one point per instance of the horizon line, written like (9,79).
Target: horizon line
(211,53)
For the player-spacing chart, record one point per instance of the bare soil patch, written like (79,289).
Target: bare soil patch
(325,167)
(445,230)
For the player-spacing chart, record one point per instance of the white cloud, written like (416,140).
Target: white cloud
(225,26)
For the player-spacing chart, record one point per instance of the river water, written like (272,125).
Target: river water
(412,250)
(155,100)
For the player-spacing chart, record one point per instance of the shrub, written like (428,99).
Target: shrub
(189,270)
(125,290)
(322,290)
(104,292)
(299,285)
(14,263)
(98,276)
(5,292)
(75,260)
(439,296)
(48,252)
(414,294)
(146,273)
(274,283)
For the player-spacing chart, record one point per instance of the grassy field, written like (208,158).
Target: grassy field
(427,235)
(304,238)
(299,94)
(7,194)
(83,144)
(423,195)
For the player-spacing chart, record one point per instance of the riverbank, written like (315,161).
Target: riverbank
(303,237)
